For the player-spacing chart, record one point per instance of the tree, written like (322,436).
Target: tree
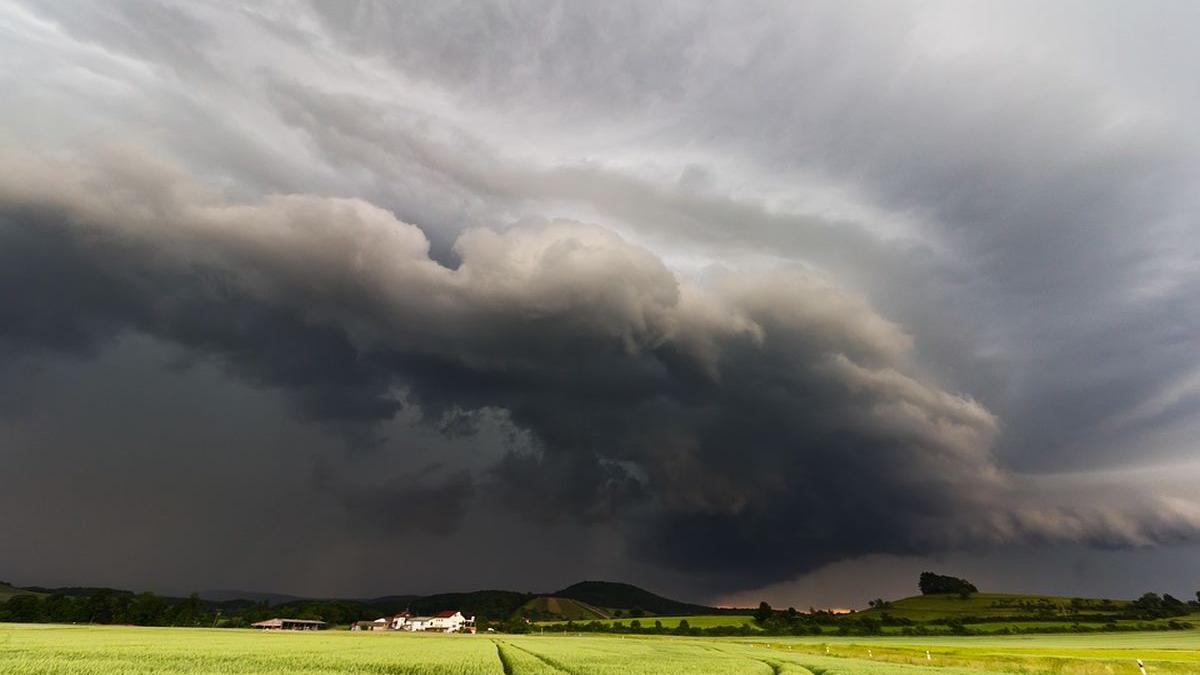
(23,608)
(187,613)
(763,613)
(957,626)
(1149,602)
(99,606)
(147,610)
(931,584)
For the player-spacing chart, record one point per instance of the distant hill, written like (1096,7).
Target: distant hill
(611,595)
(992,605)
(253,596)
(489,604)
(583,601)
(8,590)
(73,591)
(548,607)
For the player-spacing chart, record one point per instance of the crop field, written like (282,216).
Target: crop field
(104,650)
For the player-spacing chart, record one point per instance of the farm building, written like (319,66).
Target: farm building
(382,623)
(418,623)
(449,621)
(289,624)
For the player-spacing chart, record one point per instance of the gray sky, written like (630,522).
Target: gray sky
(731,300)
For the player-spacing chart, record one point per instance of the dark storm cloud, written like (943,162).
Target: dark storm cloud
(857,265)
(765,413)
(1061,184)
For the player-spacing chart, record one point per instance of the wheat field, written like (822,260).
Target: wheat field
(107,650)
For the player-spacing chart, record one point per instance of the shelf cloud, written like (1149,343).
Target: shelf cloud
(747,289)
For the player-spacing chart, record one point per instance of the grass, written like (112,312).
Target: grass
(105,650)
(564,607)
(1174,652)
(926,607)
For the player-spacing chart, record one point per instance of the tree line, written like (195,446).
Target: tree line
(106,606)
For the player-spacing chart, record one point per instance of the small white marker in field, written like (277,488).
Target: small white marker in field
(927,656)
(870,654)
(1141,666)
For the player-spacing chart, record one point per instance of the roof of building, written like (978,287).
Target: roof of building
(279,622)
(446,614)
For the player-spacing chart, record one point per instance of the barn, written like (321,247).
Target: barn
(289,624)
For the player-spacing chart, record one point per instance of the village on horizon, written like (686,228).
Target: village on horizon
(448,621)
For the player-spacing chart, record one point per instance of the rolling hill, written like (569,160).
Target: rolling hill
(548,607)
(610,595)
(995,605)
(8,590)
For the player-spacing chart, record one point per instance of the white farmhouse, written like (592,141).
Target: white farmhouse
(451,621)
(418,623)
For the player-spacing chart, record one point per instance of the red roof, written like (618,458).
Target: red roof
(446,614)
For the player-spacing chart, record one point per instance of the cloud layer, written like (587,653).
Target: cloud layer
(747,425)
(748,288)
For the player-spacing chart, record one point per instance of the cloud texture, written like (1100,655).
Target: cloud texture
(725,283)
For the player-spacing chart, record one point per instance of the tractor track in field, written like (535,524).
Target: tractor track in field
(507,664)
(776,669)
(557,665)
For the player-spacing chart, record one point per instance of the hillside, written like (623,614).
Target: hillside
(489,604)
(995,605)
(8,590)
(553,608)
(252,596)
(610,595)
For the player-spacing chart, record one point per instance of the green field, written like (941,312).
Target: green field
(102,650)
(926,607)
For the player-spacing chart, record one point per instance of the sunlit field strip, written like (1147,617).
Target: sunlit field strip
(105,650)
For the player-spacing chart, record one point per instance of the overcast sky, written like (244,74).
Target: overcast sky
(732,300)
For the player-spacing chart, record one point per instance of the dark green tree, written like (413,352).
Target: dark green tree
(763,613)
(188,612)
(22,608)
(931,584)
(147,609)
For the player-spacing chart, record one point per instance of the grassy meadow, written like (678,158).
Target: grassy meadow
(1027,607)
(103,650)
